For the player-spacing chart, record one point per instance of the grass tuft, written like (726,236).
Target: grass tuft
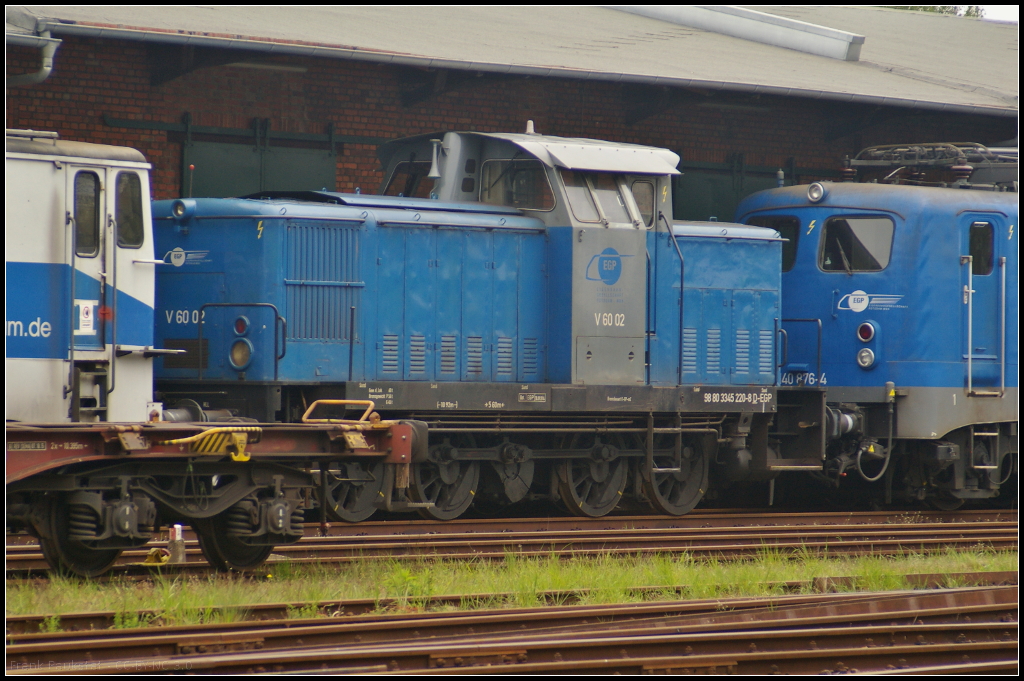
(516,581)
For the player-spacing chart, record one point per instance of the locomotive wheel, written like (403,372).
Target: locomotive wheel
(679,492)
(592,488)
(69,556)
(449,485)
(226,553)
(353,488)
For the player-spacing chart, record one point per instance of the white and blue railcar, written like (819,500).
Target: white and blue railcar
(80,281)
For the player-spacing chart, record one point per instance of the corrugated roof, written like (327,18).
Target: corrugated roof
(908,58)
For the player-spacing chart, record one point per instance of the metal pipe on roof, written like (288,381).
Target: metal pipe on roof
(49,47)
(380,57)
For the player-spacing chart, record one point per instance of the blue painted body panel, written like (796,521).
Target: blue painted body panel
(438,295)
(445,292)
(730,307)
(916,303)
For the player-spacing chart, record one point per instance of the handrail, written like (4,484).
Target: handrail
(277,318)
(682,268)
(306,419)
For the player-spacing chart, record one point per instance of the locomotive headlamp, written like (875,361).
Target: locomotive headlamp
(182,209)
(241,325)
(866,331)
(816,192)
(865,358)
(241,354)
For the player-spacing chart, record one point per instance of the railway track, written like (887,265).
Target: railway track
(964,630)
(726,536)
(257,612)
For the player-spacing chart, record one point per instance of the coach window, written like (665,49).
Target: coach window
(87,214)
(788,228)
(643,194)
(516,183)
(982,246)
(856,244)
(408,180)
(128,212)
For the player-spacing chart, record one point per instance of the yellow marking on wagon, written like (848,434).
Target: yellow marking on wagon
(227,440)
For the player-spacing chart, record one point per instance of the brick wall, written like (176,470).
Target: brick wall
(95,77)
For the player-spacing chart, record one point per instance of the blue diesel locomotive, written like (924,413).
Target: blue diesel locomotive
(527,297)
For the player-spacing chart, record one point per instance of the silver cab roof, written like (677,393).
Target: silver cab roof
(47,144)
(567,152)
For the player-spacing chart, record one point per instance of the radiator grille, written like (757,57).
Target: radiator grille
(417,355)
(474,355)
(529,356)
(449,355)
(505,358)
(689,351)
(764,352)
(713,365)
(742,351)
(389,357)
(322,280)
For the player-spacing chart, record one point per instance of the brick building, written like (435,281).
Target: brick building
(264,98)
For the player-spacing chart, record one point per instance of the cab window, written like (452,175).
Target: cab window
(982,246)
(856,244)
(410,179)
(87,214)
(517,183)
(128,210)
(643,194)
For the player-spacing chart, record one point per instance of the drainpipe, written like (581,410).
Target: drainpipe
(49,47)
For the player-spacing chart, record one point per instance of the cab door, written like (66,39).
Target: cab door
(87,217)
(983,295)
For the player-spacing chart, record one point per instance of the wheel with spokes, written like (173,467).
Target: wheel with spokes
(449,485)
(225,552)
(590,487)
(353,489)
(70,556)
(676,485)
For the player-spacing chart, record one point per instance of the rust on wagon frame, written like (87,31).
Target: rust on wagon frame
(35,448)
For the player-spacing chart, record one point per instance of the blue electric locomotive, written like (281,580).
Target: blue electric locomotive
(527,297)
(900,301)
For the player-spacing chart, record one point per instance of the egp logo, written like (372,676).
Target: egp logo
(858,301)
(177,257)
(609,266)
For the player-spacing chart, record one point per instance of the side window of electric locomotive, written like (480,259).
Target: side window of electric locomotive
(982,247)
(87,214)
(410,179)
(516,183)
(643,194)
(856,244)
(580,200)
(128,211)
(788,228)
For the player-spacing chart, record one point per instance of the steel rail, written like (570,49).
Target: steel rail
(874,633)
